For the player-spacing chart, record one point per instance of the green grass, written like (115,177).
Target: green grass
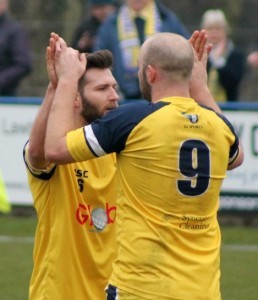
(239,275)
(15,257)
(239,266)
(234,235)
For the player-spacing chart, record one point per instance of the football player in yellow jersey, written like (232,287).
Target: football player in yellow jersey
(75,203)
(172,157)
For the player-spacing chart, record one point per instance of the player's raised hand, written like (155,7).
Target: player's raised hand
(199,76)
(198,84)
(50,54)
(198,40)
(69,63)
(201,49)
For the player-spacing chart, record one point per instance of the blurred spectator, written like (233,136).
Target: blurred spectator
(84,36)
(124,32)
(252,59)
(15,53)
(226,63)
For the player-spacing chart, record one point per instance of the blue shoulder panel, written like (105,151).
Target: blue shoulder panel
(113,129)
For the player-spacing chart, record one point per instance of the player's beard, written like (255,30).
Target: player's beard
(89,111)
(145,88)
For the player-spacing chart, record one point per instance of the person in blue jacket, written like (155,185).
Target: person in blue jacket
(15,52)
(85,33)
(123,33)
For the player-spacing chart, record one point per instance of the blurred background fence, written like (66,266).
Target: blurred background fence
(62,16)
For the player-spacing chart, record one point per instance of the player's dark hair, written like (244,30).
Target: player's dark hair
(101,59)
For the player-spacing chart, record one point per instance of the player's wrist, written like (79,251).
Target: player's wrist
(68,80)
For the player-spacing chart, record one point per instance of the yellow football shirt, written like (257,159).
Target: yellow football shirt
(172,157)
(75,236)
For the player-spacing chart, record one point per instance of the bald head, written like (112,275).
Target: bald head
(169,52)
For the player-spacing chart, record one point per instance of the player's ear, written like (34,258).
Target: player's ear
(150,74)
(78,100)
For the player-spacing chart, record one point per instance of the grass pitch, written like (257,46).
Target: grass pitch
(239,259)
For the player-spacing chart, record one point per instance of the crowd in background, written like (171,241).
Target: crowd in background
(117,26)
(15,52)
(227,63)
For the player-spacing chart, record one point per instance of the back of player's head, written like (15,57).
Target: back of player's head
(169,52)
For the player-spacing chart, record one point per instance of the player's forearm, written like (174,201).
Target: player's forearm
(61,121)
(38,132)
